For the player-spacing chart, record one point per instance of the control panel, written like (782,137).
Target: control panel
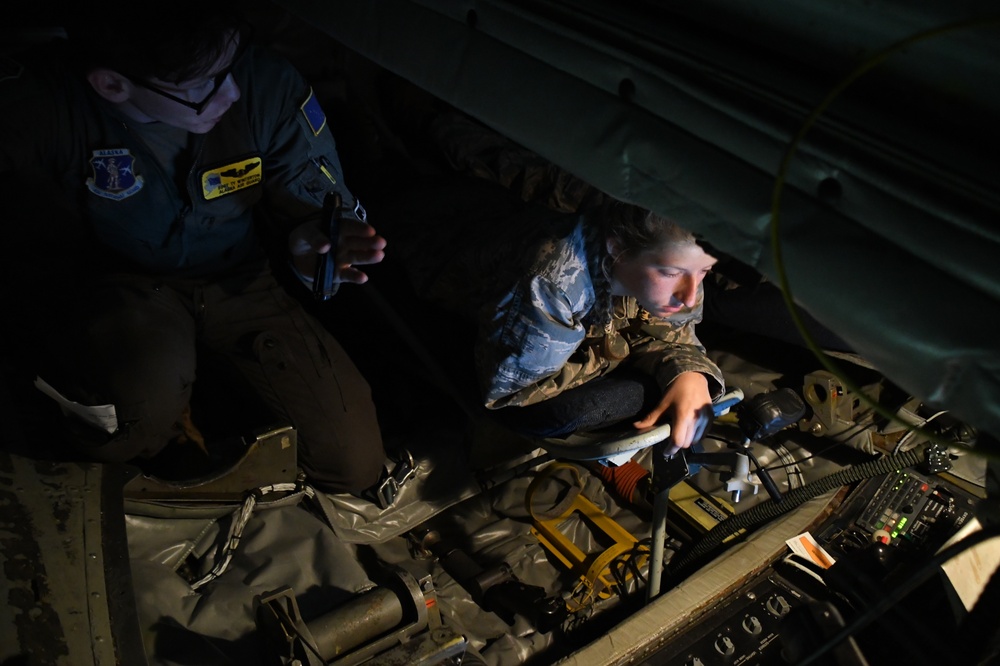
(907,511)
(746,630)
(900,518)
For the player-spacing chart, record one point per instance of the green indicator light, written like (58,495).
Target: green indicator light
(902,522)
(895,534)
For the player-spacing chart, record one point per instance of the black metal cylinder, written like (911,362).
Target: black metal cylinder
(360,620)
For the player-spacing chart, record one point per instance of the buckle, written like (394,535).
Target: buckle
(386,489)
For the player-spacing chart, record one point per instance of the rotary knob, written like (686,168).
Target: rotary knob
(725,646)
(777,605)
(751,625)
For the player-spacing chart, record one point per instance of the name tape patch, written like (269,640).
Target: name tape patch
(231,178)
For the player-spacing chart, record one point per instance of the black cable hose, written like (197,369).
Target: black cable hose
(769,510)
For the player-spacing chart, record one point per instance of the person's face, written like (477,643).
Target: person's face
(663,281)
(196,105)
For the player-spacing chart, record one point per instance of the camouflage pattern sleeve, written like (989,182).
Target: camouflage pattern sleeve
(531,348)
(537,339)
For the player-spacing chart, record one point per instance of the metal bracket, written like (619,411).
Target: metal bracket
(270,458)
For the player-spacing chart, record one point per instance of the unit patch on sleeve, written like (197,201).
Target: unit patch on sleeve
(230,178)
(114,174)
(313,113)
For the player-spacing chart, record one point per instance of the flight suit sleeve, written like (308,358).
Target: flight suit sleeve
(301,163)
(44,233)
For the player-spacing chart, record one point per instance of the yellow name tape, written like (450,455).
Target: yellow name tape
(231,178)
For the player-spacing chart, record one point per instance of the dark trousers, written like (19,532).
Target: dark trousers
(621,395)
(137,343)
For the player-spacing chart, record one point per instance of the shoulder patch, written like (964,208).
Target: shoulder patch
(229,178)
(114,174)
(313,113)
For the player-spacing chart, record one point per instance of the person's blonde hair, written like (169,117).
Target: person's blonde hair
(636,230)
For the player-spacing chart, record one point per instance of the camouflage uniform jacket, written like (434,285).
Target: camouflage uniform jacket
(542,336)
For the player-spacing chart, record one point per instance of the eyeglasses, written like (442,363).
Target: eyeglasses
(217,80)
